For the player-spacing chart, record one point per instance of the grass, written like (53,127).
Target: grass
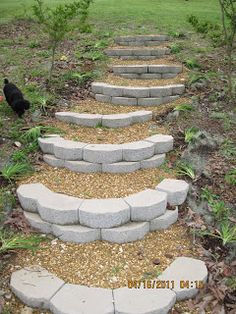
(160,13)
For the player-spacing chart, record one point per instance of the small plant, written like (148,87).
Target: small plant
(80,77)
(175,48)
(15,170)
(185,169)
(230,177)
(192,64)
(228,149)
(208,196)
(226,233)
(177,34)
(10,241)
(19,156)
(57,22)
(34,133)
(220,210)
(191,134)
(184,107)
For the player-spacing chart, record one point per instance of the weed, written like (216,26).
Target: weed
(175,34)
(192,64)
(11,241)
(226,233)
(185,169)
(15,170)
(220,210)
(175,48)
(208,196)
(34,44)
(80,77)
(228,149)
(184,107)
(191,134)
(34,133)
(19,156)
(230,177)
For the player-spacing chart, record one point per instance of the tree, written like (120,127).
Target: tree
(228,17)
(57,22)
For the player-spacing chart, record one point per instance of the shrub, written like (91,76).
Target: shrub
(57,22)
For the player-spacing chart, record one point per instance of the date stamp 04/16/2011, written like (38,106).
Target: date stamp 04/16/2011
(165,284)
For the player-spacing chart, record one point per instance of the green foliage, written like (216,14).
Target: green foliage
(15,170)
(11,241)
(228,149)
(58,22)
(184,107)
(34,44)
(226,233)
(192,64)
(208,196)
(176,34)
(185,169)
(19,156)
(220,210)
(80,77)
(175,48)
(196,77)
(230,177)
(34,133)
(191,134)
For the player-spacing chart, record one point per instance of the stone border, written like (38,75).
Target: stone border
(110,121)
(136,96)
(107,154)
(38,288)
(137,53)
(120,219)
(147,71)
(141,40)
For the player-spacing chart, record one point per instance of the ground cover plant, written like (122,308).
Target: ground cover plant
(203,124)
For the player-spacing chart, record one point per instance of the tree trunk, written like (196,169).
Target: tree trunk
(53,60)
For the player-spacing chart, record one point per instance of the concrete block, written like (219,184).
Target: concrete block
(178,89)
(103,98)
(102,153)
(185,270)
(69,150)
(113,90)
(83,166)
(76,233)
(59,208)
(75,299)
(136,92)
(141,116)
(37,223)
(28,195)
(150,101)
(176,190)
(53,161)
(131,69)
(130,232)
(147,205)
(153,162)
(168,99)
(35,286)
(47,144)
(126,101)
(150,76)
(85,119)
(143,301)
(164,221)
(97,87)
(104,213)
(160,91)
(65,116)
(116,120)
(136,151)
(163,143)
(121,167)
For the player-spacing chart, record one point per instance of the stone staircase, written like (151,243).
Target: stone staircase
(117,220)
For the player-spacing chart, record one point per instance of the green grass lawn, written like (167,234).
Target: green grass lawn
(139,15)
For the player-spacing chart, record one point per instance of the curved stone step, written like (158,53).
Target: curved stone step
(36,287)
(137,53)
(106,157)
(141,40)
(110,121)
(59,209)
(136,96)
(117,167)
(147,71)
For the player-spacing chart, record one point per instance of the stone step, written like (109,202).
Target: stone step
(80,220)
(38,288)
(110,121)
(137,53)
(118,167)
(120,158)
(147,71)
(141,40)
(136,96)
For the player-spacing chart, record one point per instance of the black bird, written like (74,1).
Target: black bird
(15,98)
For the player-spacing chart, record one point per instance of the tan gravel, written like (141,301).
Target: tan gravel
(90,105)
(98,185)
(112,79)
(169,60)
